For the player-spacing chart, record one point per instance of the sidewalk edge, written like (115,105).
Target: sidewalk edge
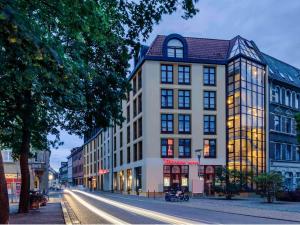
(65,213)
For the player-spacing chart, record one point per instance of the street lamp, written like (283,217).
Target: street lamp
(199,151)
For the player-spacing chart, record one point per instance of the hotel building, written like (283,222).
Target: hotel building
(195,104)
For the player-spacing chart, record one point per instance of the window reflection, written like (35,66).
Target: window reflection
(245,102)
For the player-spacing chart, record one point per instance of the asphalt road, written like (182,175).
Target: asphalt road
(92,208)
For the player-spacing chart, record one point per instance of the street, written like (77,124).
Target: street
(99,207)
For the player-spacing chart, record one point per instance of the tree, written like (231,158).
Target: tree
(229,182)
(65,64)
(4,207)
(269,184)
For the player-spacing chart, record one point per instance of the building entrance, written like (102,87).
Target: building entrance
(176,177)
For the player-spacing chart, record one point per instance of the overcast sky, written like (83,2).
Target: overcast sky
(272,24)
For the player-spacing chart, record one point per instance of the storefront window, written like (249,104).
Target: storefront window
(176,177)
(138,177)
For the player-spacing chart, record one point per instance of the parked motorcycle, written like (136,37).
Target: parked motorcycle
(176,195)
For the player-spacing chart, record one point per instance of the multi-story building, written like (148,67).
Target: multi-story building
(97,160)
(38,170)
(284,103)
(77,165)
(192,99)
(70,170)
(63,173)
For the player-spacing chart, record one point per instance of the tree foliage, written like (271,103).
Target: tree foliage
(229,182)
(269,184)
(64,63)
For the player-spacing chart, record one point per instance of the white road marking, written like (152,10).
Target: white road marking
(109,218)
(140,211)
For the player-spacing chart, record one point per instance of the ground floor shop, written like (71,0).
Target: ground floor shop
(290,172)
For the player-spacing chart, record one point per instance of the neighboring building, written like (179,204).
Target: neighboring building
(53,178)
(38,169)
(12,175)
(39,165)
(97,160)
(70,170)
(191,98)
(284,103)
(63,173)
(77,165)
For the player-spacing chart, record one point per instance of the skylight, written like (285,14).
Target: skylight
(282,75)
(291,79)
(244,47)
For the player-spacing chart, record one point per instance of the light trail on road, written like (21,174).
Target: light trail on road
(140,211)
(109,218)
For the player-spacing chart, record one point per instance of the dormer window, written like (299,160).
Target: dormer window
(175,48)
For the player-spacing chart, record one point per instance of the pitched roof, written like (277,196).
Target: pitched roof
(282,71)
(219,51)
(198,48)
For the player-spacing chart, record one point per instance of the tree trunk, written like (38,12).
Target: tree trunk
(25,177)
(4,204)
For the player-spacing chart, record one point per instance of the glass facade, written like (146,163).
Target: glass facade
(246,118)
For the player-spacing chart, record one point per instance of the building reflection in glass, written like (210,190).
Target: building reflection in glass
(245,118)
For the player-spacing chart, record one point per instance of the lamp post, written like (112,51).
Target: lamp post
(198,151)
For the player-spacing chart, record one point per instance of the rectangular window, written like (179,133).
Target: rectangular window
(140,125)
(288,152)
(115,159)
(288,125)
(140,106)
(209,124)
(209,148)
(167,148)
(128,113)
(184,99)
(139,80)
(297,153)
(134,86)
(135,152)
(115,143)
(166,74)
(209,76)
(140,150)
(184,75)
(166,98)
(135,130)
(184,123)
(277,123)
(128,134)
(121,139)
(209,100)
(121,158)
(134,108)
(184,148)
(167,123)
(128,154)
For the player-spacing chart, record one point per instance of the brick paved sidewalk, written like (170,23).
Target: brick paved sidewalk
(50,214)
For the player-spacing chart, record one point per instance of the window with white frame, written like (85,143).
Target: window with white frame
(277,123)
(175,48)
(288,98)
(7,156)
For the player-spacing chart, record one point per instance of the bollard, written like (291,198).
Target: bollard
(154,194)
(148,193)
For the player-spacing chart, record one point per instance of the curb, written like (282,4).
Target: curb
(65,213)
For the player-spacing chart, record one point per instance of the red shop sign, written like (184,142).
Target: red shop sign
(180,162)
(103,171)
